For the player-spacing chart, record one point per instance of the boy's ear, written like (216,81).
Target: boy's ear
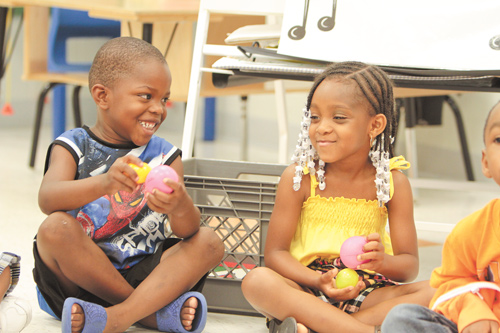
(100,95)
(484,165)
(378,123)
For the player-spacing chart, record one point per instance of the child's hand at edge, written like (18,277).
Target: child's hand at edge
(121,176)
(169,203)
(374,252)
(486,326)
(327,286)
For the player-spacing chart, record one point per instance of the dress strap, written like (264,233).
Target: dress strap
(314,181)
(397,163)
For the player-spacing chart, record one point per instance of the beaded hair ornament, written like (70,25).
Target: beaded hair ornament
(305,156)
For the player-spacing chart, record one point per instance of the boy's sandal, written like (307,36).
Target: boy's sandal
(95,316)
(168,318)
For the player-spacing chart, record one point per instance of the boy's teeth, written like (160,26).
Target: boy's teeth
(147,125)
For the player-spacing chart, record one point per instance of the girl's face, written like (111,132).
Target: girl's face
(340,121)
(137,104)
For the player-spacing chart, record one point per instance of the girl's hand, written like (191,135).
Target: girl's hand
(170,203)
(327,286)
(121,176)
(374,252)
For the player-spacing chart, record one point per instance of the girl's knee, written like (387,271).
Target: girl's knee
(256,280)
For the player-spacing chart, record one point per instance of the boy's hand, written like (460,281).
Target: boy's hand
(170,203)
(327,286)
(483,326)
(121,176)
(374,252)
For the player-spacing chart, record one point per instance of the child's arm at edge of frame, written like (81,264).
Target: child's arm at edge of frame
(59,191)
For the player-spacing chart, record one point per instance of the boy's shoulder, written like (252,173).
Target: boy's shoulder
(484,218)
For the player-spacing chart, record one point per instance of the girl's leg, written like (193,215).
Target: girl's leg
(379,302)
(277,297)
(413,318)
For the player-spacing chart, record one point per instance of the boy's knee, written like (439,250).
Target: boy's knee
(58,227)
(212,242)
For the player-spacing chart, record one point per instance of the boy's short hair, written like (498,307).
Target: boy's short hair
(116,58)
(488,119)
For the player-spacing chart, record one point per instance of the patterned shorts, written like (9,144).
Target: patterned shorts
(371,281)
(12,260)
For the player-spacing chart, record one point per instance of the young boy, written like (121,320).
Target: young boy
(468,282)
(103,256)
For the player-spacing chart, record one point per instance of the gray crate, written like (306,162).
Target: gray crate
(236,200)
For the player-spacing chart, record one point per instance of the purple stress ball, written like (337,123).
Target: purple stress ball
(155,179)
(350,249)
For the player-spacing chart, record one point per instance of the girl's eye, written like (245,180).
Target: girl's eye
(314,117)
(339,117)
(496,140)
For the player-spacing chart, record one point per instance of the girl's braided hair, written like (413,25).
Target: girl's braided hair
(376,87)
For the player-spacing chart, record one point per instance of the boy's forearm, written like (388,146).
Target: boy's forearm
(185,223)
(69,195)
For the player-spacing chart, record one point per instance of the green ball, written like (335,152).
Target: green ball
(346,277)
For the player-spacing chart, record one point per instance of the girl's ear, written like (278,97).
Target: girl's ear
(100,94)
(377,126)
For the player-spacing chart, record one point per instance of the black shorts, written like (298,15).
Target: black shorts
(55,296)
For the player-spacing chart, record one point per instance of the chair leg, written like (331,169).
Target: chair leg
(76,106)
(461,134)
(38,119)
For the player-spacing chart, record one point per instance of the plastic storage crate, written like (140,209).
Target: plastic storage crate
(236,200)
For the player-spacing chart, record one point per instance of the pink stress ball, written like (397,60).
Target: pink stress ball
(350,249)
(155,179)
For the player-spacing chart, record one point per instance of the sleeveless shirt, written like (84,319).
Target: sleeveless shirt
(325,223)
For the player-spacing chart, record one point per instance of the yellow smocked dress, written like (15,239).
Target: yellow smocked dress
(325,223)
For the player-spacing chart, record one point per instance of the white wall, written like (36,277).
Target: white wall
(438,146)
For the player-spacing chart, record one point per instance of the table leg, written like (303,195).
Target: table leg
(3,28)
(147,32)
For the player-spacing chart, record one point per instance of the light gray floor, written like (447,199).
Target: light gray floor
(20,217)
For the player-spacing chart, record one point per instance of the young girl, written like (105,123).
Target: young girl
(342,184)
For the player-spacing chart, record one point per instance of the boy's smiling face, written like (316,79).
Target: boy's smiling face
(491,153)
(135,106)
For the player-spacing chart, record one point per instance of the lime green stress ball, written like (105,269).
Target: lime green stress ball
(346,278)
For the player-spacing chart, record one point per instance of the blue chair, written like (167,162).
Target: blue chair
(66,24)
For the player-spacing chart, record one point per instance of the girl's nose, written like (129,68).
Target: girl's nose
(324,127)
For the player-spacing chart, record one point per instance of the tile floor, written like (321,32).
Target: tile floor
(20,217)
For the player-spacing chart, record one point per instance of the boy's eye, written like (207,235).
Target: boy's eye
(164,100)
(496,140)
(145,96)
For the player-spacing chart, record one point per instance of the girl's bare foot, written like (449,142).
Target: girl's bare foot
(188,312)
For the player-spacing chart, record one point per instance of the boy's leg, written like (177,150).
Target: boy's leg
(277,297)
(77,261)
(379,302)
(413,318)
(180,268)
